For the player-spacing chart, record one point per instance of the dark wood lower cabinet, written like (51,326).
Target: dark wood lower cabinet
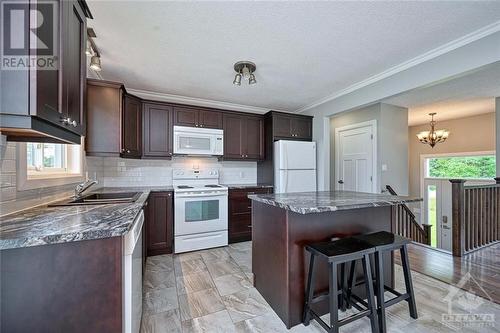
(160,223)
(240,213)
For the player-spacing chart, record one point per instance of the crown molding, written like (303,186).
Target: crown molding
(157,96)
(445,48)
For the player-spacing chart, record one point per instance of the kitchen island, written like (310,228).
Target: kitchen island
(284,223)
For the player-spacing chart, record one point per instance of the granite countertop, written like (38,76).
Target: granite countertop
(243,186)
(51,225)
(318,202)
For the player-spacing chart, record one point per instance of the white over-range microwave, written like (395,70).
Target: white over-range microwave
(198,141)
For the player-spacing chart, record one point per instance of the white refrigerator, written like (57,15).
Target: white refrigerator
(294,166)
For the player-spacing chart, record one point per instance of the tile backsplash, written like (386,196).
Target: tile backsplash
(112,172)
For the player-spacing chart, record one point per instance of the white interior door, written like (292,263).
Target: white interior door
(355,151)
(437,211)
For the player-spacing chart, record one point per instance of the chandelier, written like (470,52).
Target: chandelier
(244,69)
(433,137)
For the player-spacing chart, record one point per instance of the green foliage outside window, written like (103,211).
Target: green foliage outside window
(478,167)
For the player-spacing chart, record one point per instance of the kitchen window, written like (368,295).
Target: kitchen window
(48,164)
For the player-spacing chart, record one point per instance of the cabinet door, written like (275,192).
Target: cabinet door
(302,128)
(254,138)
(160,223)
(131,131)
(73,65)
(240,213)
(157,130)
(282,126)
(233,137)
(104,119)
(210,119)
(48,83)
(186,116)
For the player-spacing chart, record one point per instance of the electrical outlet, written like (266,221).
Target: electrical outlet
(242,174)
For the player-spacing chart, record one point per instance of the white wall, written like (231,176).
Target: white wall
(393,139)
(456,61)
(392,142)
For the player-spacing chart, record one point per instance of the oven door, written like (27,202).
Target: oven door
(197,142)
(199,212)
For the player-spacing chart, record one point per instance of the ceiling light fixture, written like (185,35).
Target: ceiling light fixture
(433,137)
(244,69)
(91,50)
(95,63)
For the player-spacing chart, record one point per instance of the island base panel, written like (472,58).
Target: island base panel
(279,261)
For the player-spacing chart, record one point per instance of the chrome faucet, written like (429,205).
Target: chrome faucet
(82,187)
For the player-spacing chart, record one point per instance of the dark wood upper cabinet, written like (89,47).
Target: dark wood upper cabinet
(132,127)
(157,131)
(104,118)
(254,136)
(185,116)
(288,126)
(74,65)
(301,128)
(160,223)
(196,117)
(48,105)
(243,137)
(210,119)
(233,136)
(282,126)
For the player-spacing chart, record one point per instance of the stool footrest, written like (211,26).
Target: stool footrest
(322,296)
(341,322)
(397,299)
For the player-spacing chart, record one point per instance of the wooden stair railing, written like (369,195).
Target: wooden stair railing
(406,224)
(476,216)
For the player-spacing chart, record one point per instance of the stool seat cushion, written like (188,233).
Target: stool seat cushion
(383,239)
(341,247)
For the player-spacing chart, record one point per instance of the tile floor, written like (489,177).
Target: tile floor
(211,291)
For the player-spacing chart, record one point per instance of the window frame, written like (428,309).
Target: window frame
(49,178)
(425,157)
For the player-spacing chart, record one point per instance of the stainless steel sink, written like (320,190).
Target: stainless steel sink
(101,199)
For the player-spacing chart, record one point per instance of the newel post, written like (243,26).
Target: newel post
(427,231)
(458,216)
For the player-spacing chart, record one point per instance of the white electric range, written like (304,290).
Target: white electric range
(200,210)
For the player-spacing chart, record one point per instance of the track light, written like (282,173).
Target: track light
(237,80)
(95,63)
(252,79)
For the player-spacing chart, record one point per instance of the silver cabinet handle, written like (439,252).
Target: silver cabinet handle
(128,151)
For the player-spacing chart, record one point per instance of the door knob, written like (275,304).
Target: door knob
(341,181)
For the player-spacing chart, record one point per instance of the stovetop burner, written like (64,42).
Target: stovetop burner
(184,186)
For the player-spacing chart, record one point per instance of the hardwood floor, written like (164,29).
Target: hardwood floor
(482,265)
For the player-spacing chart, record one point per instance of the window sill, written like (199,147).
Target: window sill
(48,181)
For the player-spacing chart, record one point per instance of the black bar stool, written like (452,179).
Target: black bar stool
(337,252)
(383,242)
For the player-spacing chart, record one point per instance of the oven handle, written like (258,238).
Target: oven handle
(208,195)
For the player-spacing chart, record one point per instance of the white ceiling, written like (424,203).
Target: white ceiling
(304,51)
(465,96)
(450,110)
